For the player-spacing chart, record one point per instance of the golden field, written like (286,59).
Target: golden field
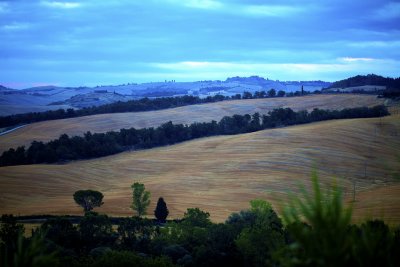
(222,174)
(48,130)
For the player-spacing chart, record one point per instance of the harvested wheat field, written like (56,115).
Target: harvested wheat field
(221,174)
(48,130)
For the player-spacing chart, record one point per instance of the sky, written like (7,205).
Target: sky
(99,42)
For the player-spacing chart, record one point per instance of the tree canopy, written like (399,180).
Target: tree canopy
(88,199)
(140,199)
(196,217)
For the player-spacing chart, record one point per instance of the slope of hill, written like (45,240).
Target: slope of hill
(5,89)
(221,174)
(16,101)
(367,83)
(48,130)
(45,97)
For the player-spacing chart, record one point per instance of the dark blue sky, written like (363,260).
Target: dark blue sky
(92,42)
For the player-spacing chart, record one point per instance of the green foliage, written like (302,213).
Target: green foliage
(373,243)
(175,252)
(136,233)
(95,231)
(61,231)
(370,79)
(258,244)
(88,199)
(327,241)
(321,234)
(161,212)
(10,230)
(261,233)
(218,249)
(272,93)
(140,199)
(196,218)
(129,259)
(31,252)
(261,209)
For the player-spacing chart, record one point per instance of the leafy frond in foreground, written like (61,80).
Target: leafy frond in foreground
(319,224)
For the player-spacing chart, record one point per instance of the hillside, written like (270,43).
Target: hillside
(367,83)
(53,97)
(47,130)
(221,174)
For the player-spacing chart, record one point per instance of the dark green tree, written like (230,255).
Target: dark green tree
(95,231)
(247,95)
(61,231)
(263,235)
(161,212)
(196,217)
(88,199)
(272,93)
(136,233)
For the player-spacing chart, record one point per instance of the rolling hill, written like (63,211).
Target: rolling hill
(47,130)
(221,174)
(44,98)
(364,83)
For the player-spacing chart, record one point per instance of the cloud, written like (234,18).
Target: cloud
(377,44)
(340,68)
(3,7)
(15,26)
(389,11)
(197,4)
(240,8)
(203,4)
(355,59)
(62,5)
(245,66)
(227,69)
(269,10)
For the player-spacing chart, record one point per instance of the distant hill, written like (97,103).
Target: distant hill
(5,89)
(53,97)
(370,82)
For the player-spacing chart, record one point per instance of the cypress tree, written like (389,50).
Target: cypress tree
(161,212)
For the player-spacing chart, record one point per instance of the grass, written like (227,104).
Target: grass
(222,174)
(48,130)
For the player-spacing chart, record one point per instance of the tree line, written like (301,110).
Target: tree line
(93,145)
(314,230)
(370,79)
(144,104)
